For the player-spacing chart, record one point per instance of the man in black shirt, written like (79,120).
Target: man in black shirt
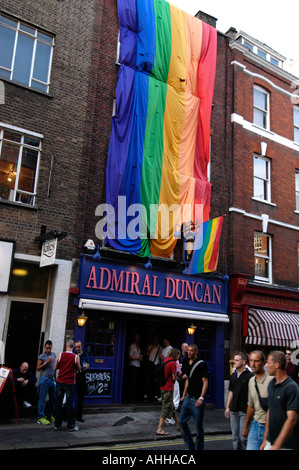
(193,400)
(236,407)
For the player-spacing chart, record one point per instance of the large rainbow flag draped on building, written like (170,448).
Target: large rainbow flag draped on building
(160,137)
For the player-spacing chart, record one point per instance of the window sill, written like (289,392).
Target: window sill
(18,204)
(296,212)
(262,281)
(263,201)
(264,129)
(20,85)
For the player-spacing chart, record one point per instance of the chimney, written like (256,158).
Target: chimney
(232,32)
(211,20)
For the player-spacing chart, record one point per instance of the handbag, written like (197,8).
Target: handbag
(263,401)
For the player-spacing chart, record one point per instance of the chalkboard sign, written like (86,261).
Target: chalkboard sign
(98,382)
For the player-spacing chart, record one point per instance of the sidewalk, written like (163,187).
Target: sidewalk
(102,427)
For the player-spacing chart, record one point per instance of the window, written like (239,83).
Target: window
(261,107)
(262,54)
(25,54)
(262,257)
(297,189)
(261,178)
(296,124)
(100,336)
(19,163)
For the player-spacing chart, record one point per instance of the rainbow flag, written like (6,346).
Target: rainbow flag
(158,153)
(206,247)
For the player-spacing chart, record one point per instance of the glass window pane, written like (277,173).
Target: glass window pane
(45,37)
(7,39)
(42,61)
(23,59)
(10,135)
(297,181)
(274,61)
(28,169)
(260,99)
(296,117)
(8,21)
(261,267)
(260,168)
(261,244)
(259,118)
(27,29)
(296,135)
(31,141)
(248,45)
(259,189)
(297,201)
(27,281)
(262,54)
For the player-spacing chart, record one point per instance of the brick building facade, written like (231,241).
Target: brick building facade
(48,112)
(264,231)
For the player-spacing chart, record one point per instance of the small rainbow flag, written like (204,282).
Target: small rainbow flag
(206,247)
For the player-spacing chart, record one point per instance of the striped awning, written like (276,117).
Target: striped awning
(268,328)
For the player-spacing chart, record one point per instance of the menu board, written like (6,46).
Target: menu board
(98,382)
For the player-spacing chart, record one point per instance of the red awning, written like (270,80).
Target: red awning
(268,328)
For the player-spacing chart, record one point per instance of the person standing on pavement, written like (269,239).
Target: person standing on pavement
(193,398)
(135,358)
(236,407)
(67,363)
(170,371)
(292,369)
(282,423)
(254,427)
(80,379)
(45,365)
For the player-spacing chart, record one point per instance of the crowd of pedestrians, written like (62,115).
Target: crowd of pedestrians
(262,402)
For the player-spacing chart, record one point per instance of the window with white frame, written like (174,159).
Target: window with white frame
(297,189)
(19,164)
(25,54)
(262,257)
(261,178)
(261,107)
(296,124)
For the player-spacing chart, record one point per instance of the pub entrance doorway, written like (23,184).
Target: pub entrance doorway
(147,329)
(24,334)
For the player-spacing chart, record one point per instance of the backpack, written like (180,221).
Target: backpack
(160,373)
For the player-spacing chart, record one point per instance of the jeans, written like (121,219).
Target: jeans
(69,390)
(46,386)
(189,409)
(237,421)
(255,436)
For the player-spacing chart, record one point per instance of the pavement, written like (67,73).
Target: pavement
(103,426)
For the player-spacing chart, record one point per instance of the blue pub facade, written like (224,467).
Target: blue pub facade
(121,300)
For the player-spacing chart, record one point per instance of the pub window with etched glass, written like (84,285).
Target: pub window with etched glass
(262,257)
(25,54)
(19,163)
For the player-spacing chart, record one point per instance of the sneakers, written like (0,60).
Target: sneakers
(26,404)
(43,421)
(75,428)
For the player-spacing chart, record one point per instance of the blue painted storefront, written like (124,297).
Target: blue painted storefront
(120,299)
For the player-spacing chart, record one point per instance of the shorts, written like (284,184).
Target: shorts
(167,404)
